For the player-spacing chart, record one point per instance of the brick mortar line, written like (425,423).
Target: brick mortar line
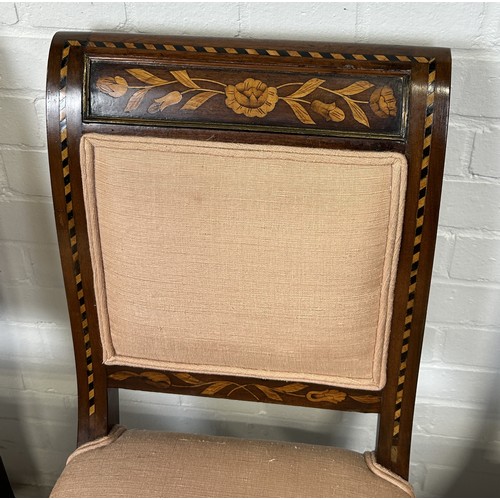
(451,438)
(469,232)
(474,119)
(31,284)
(478,281)
(450,403)
(14,196)
(23,148)
(485,179)
(464,283)
(37,324)
(466,176)
(473,179)
(439,325)
(28,94)
(11,195)
(457,367)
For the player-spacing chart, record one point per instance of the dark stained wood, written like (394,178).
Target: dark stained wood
(85,68)
(70,269)
(5,487)
(385,453)
(244,389)
(178,93)
(399,450)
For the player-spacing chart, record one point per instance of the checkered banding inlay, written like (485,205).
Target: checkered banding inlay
(71,224)
(429,117)
(261,52)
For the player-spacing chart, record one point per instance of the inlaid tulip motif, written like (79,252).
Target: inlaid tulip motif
(114,86)
(255,98)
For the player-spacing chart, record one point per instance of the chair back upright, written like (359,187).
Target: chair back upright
(250,220)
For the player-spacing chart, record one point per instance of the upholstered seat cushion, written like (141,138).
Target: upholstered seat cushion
(155,464)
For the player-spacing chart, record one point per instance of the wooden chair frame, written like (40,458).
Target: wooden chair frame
(81,64)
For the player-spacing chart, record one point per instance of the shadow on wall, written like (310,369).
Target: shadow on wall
(480,476)
(13,441)
(13,444)
(245,419)
(33,317)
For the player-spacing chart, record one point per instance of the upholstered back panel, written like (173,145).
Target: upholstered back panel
(250,260)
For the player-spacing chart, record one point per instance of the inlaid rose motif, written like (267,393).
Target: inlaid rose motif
(113,86)
(251,98)
(383,102)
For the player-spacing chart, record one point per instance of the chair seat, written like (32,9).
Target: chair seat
(137,463)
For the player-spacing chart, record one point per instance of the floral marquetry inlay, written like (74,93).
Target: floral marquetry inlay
(310,101)
(257,391)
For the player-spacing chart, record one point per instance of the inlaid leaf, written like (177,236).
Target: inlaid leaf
(196,101)
(146,76)
(189,379)
(182,77)
(157,377)
(290,388)
(300,112)
(305,89)
(269,392)
(122,375)
(366,399)
(358,114)
(355,88)
(154,108)
(216,387)
(136,99)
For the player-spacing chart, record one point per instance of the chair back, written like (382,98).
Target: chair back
(248,220)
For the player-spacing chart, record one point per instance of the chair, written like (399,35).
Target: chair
(250,220)
(5,487)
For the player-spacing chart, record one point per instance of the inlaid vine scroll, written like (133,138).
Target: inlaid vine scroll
(327,104)
(240,388)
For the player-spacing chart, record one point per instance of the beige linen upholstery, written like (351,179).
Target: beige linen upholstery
(251,260)
(156,464)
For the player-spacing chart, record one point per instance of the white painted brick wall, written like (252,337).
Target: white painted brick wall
(72,15)
(459,147)
(471,204)
(14,56)
(476,258)
(326,21)
(486,153)
(457,432)
(20,124)
(179,19)
(9,14)
(26,171)
(475,83)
